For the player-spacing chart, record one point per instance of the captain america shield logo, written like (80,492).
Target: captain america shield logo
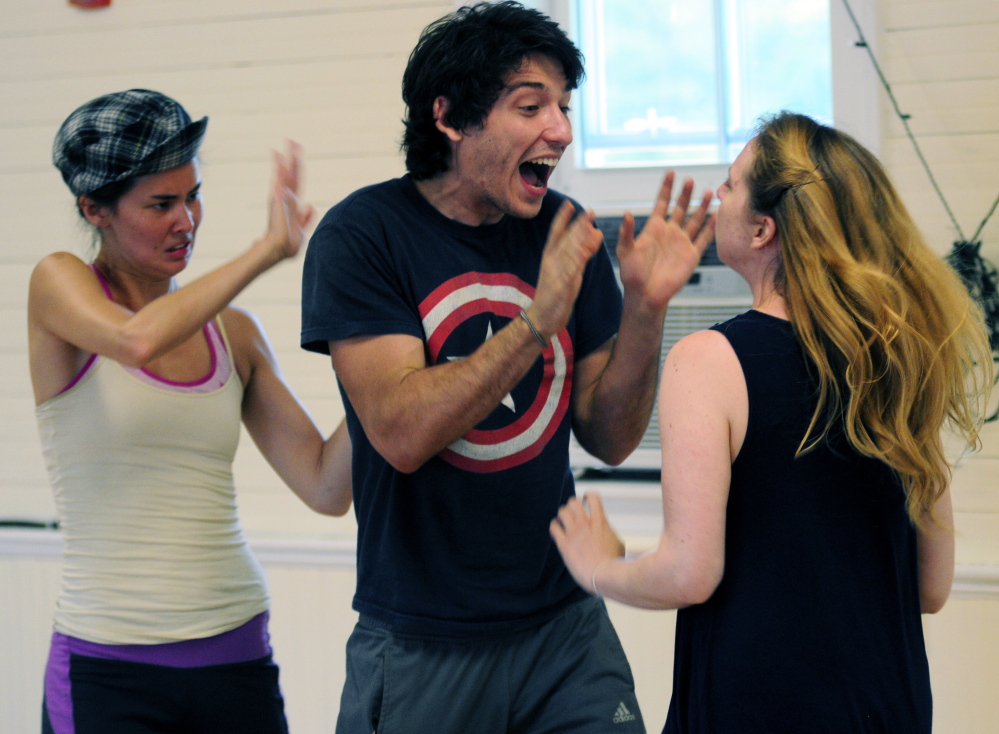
(524,430)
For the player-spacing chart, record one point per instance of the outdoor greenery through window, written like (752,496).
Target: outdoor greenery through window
(683,83)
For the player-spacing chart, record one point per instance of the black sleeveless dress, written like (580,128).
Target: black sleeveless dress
(815,626)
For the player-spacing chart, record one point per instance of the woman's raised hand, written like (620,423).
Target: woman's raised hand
(289,215)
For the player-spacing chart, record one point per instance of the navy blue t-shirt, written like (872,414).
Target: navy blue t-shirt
(461,545)
(815,626)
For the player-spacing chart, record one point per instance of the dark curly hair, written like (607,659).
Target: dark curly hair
(465,57)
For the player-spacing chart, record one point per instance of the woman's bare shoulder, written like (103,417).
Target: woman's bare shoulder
(701,350)
(57,264)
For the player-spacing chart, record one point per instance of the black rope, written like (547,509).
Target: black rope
(979,275)
(904,117)
(974,237)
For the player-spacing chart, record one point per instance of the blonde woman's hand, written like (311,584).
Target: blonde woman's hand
(585,539)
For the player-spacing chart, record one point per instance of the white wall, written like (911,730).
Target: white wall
(327,73)
(943,65)
(323,72)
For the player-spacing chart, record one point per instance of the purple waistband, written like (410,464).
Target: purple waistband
(249,641)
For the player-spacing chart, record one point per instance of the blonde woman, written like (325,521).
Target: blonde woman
(807,521)
(141,386)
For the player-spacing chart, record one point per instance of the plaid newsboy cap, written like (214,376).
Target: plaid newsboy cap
(124,134)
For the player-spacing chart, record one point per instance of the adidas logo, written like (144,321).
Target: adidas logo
(623,714)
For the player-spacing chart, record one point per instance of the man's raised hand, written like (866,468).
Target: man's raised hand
(571,243)
(660,261)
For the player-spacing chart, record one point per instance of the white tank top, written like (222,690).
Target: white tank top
(142,476)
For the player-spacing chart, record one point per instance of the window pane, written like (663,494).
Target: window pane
(650,93)
(671,83)
(779,57)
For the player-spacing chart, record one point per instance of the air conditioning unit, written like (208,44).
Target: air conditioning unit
(715,293)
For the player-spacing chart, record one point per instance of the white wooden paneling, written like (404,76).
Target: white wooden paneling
(231,89)
(949,107)
(977,537)
(39,19)
(943,65)
(916,40)
(903,14)
(13,278)
(311,620)
(33,503)
(18,418)
(13,336)
(277,512)
(990,440)
(962,648)
(223,43)
(29,589)
(975,486)
(313,371)
(16,382)
(22,463)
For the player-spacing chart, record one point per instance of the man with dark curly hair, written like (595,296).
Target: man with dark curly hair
(473,318)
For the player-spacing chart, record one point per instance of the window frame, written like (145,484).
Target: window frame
(856,110)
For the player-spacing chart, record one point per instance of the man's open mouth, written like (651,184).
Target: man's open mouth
(535,173)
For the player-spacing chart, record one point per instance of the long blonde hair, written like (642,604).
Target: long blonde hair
(897,345)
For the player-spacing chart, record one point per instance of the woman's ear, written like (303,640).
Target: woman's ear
(764,231)
(441,105)
(96,214)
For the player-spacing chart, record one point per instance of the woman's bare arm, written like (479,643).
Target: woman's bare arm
(935,555)
(318,471)
(703,407)
(69,312)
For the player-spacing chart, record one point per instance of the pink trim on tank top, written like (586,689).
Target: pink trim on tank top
(150,377)
(193,383)
(79,375)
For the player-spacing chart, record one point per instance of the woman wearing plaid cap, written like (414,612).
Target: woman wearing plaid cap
(161,621)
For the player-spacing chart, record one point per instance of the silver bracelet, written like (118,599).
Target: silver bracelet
(537,334)
(593,576)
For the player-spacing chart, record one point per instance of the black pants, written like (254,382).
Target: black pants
(116,697)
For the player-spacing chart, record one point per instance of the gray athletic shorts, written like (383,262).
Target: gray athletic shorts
(567,675)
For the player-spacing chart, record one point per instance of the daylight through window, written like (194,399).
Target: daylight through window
(683,83)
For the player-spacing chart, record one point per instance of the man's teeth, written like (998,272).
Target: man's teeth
(550,162)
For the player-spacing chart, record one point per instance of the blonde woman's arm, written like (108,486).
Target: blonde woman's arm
(935,546)
(703,407)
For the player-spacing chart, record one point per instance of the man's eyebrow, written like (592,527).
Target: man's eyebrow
(510,89)
(539,86)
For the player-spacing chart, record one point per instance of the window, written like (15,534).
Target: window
(631,184)
(679,83)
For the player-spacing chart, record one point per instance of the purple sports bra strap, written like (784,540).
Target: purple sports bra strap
(93,357)
(102,280)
